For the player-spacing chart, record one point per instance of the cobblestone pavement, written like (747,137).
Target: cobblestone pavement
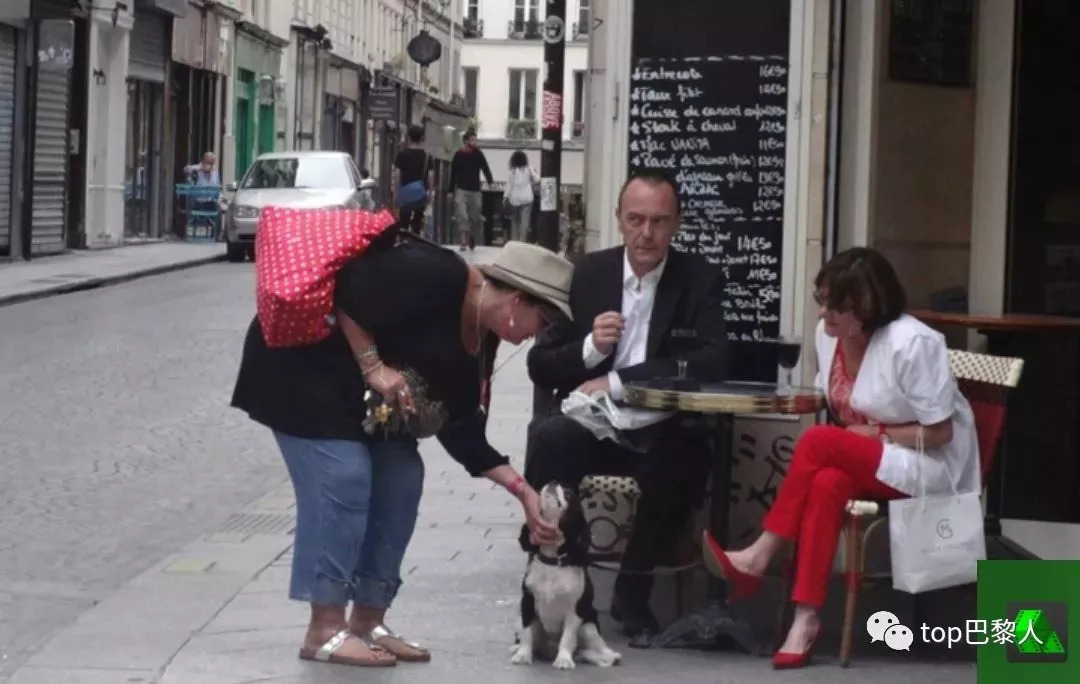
(117,442)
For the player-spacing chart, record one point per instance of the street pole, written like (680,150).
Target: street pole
(551,122)
(551,127)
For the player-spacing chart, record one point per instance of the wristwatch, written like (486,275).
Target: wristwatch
(882,434)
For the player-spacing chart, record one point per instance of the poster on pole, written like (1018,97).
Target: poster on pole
(549,196)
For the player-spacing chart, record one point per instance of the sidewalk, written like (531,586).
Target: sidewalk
(216,611)
(86,269)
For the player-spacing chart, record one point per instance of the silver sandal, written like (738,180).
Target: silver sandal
(327,653)
(384,632)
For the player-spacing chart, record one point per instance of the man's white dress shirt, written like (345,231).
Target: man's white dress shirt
(638,295)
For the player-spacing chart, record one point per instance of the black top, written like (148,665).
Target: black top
(466,167)
(689,295)
(413,164)
(409,299)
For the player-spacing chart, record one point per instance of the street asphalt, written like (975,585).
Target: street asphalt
(144,525)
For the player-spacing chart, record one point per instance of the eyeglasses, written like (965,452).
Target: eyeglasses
(823,300)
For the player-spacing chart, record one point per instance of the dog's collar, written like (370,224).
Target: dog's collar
(560,561)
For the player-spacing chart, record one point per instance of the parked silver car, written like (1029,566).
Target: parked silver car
(301,180)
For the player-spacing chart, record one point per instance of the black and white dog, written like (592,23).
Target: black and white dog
(558,619)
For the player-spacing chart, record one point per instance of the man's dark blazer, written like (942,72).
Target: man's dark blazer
(689,295)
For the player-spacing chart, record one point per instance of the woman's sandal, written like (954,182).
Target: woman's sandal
(327,653)
(405,651)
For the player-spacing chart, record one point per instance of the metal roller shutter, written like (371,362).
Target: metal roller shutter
(149,46)
(7,133)
(50,163)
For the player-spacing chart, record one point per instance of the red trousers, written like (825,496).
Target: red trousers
(829,467)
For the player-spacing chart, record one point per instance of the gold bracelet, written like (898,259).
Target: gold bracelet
(374,368)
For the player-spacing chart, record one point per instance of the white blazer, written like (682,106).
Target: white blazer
(905,378)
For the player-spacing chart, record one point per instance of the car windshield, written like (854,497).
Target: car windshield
(298,172)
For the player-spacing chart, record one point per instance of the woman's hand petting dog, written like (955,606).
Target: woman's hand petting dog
(541,532)
(392,387)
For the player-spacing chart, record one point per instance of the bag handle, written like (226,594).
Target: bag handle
(920,448)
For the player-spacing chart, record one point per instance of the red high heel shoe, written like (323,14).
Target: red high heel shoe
(740,584)
(782,660)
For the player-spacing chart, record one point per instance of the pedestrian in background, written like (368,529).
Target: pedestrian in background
(415,175)
(465,169)
(519,194)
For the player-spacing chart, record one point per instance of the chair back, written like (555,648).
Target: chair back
(985,381)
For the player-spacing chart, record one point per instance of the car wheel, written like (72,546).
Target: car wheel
(234,252)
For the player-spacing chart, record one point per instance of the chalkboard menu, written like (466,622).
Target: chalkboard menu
(708,104)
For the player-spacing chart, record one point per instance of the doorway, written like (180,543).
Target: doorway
(244,124)
(267,135)
(142,159)
(1042,274)
(1044,232)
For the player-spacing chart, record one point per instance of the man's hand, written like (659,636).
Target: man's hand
(595,386)
(607,329)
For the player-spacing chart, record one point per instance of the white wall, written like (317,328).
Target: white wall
(573,163)
(993,125)
(106,129)
(495,59)
(274,16)
(494,55)
(497,15)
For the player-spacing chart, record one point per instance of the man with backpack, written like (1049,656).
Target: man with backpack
(465,169)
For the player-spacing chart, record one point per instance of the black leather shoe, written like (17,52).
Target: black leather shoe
(638,621)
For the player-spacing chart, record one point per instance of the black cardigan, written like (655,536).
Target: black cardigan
(409,298)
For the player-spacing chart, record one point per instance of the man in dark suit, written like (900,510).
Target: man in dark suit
(626,301)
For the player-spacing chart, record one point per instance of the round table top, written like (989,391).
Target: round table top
(725,397)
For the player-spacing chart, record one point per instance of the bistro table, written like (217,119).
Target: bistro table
(718,403)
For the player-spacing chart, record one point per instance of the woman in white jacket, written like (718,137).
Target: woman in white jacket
(519,194)
(890,388)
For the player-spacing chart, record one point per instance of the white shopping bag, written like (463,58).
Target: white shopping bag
(601,416)
(935,541)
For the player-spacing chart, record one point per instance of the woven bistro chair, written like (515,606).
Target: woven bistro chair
(986,382)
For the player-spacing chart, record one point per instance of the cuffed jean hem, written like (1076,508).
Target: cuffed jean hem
(372,592)
(324,591)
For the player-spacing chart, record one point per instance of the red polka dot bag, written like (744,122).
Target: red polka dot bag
(298,253)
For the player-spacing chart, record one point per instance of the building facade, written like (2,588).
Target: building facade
(502,72)
(124,95)
(15,32)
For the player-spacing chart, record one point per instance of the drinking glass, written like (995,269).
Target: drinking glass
(788,350)
(683,341)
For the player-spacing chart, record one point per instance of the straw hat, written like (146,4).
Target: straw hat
(535,271)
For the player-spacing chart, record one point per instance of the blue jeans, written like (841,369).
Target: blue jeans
(356,509)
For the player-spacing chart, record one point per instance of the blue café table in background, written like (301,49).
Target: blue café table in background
(718,404)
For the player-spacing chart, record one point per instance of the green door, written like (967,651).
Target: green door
(267,135)
(244,122)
